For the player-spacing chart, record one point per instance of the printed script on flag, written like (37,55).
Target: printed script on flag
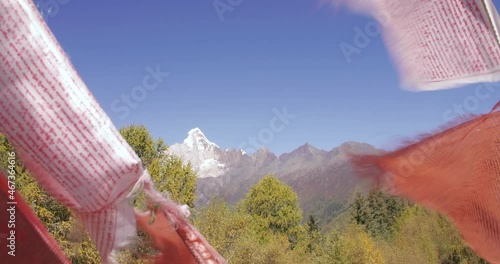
(69,144)
(60,132)
(439,44)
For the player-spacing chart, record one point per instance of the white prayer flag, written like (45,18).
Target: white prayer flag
(439,44)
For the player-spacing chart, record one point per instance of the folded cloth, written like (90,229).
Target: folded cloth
(435,44)
(64,137)
(176,215)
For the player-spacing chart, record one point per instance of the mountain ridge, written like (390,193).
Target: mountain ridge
(324,180)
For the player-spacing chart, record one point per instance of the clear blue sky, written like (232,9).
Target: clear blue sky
(226,77)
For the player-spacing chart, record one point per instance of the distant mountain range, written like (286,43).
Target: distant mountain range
(323,180)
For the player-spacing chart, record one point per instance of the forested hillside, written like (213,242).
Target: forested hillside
(267,225)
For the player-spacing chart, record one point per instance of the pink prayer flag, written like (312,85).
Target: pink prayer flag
(60,131)
(67,141)
(438,44)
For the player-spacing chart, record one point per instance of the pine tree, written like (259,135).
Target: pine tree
(377,212)
(312,224)
(313,233)
(359,211)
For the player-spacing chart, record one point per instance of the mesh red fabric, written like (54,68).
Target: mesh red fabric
(33,244)
(456,172)
(170,217)
(165,238)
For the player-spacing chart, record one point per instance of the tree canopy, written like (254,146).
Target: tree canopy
(275,202)
(266,226)
(168,172)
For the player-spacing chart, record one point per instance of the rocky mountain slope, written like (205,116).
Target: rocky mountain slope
(324,180)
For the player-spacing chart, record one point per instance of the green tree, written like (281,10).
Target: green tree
(359,212)
(312,224)
(242,238)
(167,171)
(144,145)
(177,179)
(377,212)
(358,247)
(313,233)
(47,209)
(424,236)
(58,219)
(275,202)
(221,225)
(313,238)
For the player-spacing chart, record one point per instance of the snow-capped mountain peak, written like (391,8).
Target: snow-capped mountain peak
(196,132)
(201,152)
(196,139)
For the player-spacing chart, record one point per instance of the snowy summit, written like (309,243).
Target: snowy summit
(197,140)
(201,152)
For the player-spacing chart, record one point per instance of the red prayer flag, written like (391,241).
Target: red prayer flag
(27,239)
(456,172)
